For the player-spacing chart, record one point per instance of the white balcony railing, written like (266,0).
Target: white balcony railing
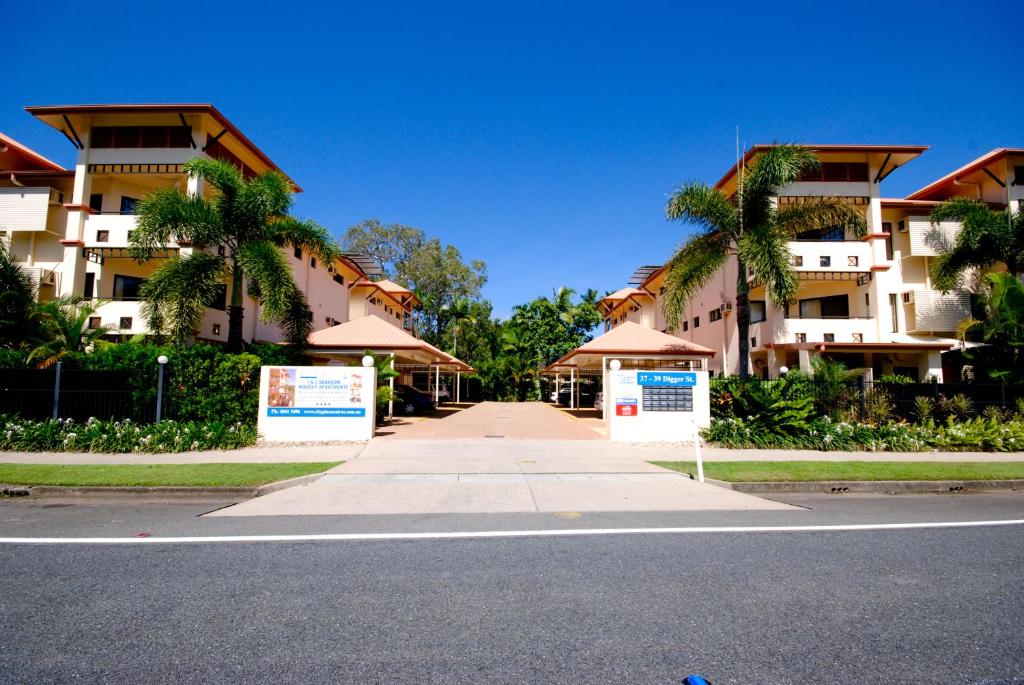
(121,316)
(831,256)
(109,230)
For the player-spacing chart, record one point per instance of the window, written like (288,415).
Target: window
(90,286)
(753,343)
(834,307)
(696,322)
(902,226)
(797,260)
(125,323)
(894,306)
(867,305)
(130,234)
(96,202)
(127,288)
(128,204)
(221,251)
(715,314)
(220,300)
(830,337)
(102,236)
(297,251)
(825,260)
(852,261)
(312,262)
(908,298)
(94,322)
(801,337)
(141,136)
(858,337)
(686,326)
(837,172)
(830,234)
(758,312)
(216,329)
(1018,175)
(338,278)
(887,228)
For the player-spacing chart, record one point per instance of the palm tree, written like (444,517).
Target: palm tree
(1002,329)
(985,238)
(459,313)
(17,298)
(519,361)
(248,219)
(63,327)
(749,227)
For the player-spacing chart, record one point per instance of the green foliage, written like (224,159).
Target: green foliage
(17,301)
(833,391)
(894,379)
(751,228)
(1001,331)
(924,408)
(780,408)
(12,358)
(58,435)
(985,238)
(249,219)
(63,328)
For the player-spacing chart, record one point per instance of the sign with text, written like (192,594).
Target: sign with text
(658,406)
(314,403)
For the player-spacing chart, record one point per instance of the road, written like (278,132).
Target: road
(921,605)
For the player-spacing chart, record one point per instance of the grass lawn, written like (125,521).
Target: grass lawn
(191,475)
(752,471)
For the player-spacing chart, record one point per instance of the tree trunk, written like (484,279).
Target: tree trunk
(235,309)
(743,318)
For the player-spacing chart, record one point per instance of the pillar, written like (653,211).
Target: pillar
(930,365)
(805,361)
(458,387)
(437,384)
(572,388)
(391,384)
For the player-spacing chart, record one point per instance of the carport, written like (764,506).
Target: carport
(346,344)
(636,347)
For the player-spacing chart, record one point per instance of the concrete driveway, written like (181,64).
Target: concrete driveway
(497,475)
(495,420)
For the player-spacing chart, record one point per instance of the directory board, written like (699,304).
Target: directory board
(658,406)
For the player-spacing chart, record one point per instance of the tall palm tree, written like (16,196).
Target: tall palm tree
(63,327)
(750,228)
(985,238)
(459,313)
(248,219)
(519,360)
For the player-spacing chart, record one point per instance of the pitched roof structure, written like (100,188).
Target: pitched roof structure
(376,334)
(397,292)
(17,157)
(610,302)
(635,340)
(930,191)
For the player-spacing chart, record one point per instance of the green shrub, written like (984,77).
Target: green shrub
(12,359)
(782,407)
(64,435)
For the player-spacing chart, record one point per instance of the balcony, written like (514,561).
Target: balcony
(850,329)
(108,230)
(836,257)
(114,314)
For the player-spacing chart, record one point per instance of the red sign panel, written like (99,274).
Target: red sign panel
(625,410)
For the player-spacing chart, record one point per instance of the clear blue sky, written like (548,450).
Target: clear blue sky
(541,137)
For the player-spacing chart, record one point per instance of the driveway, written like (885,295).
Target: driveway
(494,420)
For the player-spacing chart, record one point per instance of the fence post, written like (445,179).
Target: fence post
(861,386)
(1002,390)
(162,361)
(56,391)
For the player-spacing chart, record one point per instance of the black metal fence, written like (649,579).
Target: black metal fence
(78,394)
(902,397)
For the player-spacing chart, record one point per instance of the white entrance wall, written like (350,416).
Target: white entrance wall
(676,404)
(314,403)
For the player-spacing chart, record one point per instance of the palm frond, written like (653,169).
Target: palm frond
(179,292)
(820,212)
(168,214)
(984,238)
(765,252)
(306,234)
(704,206)
(226,178)
(690,268)
(260,199)
(778,166)
(282,301)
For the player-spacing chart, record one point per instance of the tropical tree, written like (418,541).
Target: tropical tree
(750,228)
(986,238)
(1001,331)
(518,361)
(17,299)
(248,218)
(63,327)
(458,314)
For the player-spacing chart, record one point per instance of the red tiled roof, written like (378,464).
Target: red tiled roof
(631,338)
(372,332)
(29,154)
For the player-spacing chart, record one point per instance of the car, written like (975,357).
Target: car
(412,400)
(443,395)
(586,397)
(599,401)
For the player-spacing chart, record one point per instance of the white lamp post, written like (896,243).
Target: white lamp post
(162,360)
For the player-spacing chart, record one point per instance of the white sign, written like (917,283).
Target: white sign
(316,403)
(657,406)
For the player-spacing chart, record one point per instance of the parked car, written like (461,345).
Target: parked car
(586,397)
(443,395)
(599,401)
(413,400)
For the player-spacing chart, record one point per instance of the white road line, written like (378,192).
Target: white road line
(464,535)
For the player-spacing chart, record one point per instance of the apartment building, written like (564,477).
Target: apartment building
(867,301)
(71,227)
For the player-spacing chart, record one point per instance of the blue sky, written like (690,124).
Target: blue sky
(541,137)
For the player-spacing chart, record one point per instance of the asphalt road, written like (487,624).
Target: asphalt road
(929,606)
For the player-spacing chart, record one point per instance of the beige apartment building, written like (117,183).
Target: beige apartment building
(70,227)
(867,301)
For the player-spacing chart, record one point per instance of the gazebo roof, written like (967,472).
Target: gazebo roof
(376,334)
(632,339)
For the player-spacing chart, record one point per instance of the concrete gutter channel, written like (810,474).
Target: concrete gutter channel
(155,491)
(885,487)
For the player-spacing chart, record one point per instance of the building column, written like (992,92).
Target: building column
(391,384)
(805,361)
(929,364)
(72,280)
(458,387)
(572,388)
(437,384)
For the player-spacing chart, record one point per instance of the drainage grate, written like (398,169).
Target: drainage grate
(494,436)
